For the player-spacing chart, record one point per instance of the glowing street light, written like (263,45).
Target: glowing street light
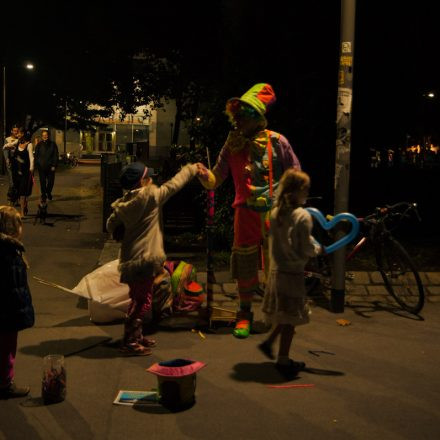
(29,66)
(431,95)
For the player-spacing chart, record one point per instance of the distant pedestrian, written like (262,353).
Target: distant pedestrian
(290,247)
(11,143)
(136,219)
(16,309)
(46,161)
(22,165)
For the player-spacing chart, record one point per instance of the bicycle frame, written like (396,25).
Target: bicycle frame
(355,250)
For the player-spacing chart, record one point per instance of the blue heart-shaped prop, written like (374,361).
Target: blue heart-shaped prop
(327,225)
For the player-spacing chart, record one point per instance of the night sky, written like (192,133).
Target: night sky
(293,45)
(235,43)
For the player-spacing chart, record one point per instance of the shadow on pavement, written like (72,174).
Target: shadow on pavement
(266,373)
(34,219)
(62,411)
(70,198)
(157,408)
(366,309)
(322,372)
(82,321)
(263,372)
(93,347)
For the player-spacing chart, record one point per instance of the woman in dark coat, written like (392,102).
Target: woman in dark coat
(22,165)
(16,309)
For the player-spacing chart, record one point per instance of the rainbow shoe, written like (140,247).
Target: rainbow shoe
(243,325)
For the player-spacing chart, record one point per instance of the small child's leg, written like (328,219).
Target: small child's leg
(284,364)
(266,346)
(287,332)
(141,299)
(8,350)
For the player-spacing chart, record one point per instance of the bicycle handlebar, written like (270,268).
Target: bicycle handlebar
(390,211)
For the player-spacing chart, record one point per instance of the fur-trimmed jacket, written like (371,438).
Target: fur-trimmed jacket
(140,211)
(16,309)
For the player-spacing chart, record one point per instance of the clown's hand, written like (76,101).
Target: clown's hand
(206,177)
(202,172)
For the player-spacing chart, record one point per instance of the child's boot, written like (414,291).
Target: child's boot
(12,391)
(132,336)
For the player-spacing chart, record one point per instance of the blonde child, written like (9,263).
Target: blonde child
(290,246)
(137,219)
(16,310)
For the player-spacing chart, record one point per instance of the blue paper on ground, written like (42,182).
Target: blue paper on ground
(126,397)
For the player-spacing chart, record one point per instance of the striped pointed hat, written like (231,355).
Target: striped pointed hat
(260,97)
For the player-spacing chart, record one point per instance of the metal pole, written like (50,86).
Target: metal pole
(210,275)
(4,102)
(343,143)
(3,164)
(65,126)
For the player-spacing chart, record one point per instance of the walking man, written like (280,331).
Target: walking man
(46,160)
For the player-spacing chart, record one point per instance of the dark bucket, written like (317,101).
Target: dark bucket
(176,382)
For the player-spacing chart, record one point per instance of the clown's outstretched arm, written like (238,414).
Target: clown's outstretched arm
(212,179)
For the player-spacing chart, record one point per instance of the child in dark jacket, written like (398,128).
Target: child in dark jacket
(16,310)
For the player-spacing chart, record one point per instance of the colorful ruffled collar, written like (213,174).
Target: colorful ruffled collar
(236,142)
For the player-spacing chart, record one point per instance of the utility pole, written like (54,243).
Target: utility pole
(343,143)
(3,164)
(65,127)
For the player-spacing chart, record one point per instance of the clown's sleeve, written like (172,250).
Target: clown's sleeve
(213,179)
(287,155)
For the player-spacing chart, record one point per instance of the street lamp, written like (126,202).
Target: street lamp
(29,66)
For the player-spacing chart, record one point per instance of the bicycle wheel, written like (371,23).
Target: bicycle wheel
(400,276)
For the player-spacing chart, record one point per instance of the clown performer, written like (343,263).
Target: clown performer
(256,158)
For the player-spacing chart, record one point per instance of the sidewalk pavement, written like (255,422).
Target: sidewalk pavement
(376,378)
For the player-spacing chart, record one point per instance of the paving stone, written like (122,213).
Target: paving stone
(357,290)
(433,277)
(230,287)
(384,299)
(376,277)
(433,298)
(360,277)
(377,290)
(223,277)
(233,305)
(433,290)
(424,278)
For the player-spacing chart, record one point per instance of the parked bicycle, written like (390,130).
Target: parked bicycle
(400,276)
(69,159)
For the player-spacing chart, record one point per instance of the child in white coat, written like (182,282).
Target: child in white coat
(139,214)
(290,246)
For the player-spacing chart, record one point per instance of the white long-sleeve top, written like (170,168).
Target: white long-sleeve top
(291,243)
(140,211)
(10,143)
